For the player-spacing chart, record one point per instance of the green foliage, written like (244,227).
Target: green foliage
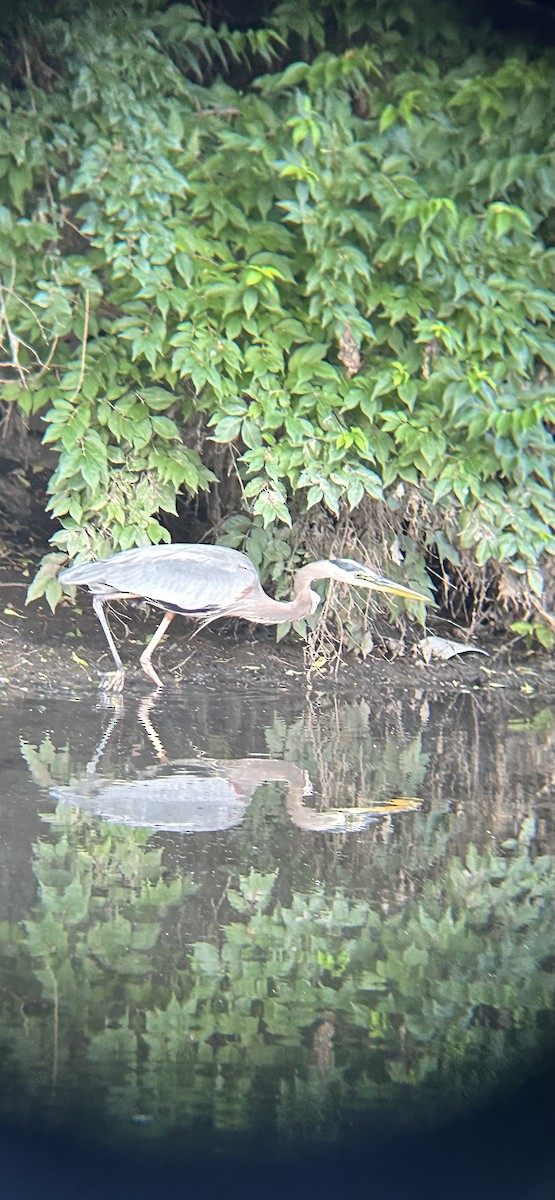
(534,631)
(338,275)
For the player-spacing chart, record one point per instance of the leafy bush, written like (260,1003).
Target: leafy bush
(330,280)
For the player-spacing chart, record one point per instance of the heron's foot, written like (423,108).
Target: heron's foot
(149,670)
(113,681)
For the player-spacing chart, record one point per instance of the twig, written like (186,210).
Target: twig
(71,225)
(29,78)
(51,354)
(83,349)
(13,341)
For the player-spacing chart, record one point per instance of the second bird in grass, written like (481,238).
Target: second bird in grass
(207,582)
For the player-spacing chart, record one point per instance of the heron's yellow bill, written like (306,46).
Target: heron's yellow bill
(387,807)
(399,589)
(370,578)
(357,818)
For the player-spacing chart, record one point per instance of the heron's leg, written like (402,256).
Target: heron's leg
(113,682)
(154,642)
(143,715)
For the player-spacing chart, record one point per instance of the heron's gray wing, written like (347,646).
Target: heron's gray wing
(185,577)
(184,802)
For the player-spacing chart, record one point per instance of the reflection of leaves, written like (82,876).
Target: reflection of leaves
(202,1026)
(277,735)
(165,894)
(333,757)
(168,1031)
(71,905)
(541,722)
(370,981)
(111,1044)
(206,958)
(335,965)
(253,890)
(120,944)
(48,939)
(47,764)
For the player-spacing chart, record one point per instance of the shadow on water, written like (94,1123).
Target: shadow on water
(308,945)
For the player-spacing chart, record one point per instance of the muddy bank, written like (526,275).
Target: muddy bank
(67,650)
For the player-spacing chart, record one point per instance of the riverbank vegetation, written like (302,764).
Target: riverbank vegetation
(289,287)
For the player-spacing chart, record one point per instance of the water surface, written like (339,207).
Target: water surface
(256,924)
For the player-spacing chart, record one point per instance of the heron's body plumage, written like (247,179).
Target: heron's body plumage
(183,578)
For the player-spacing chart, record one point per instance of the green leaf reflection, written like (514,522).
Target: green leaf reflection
(282,1009)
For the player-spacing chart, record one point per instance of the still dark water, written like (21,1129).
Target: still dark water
(248,934)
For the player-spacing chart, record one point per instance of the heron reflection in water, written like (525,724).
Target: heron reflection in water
(207,582)
(202,795)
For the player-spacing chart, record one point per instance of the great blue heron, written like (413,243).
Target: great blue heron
(206,582)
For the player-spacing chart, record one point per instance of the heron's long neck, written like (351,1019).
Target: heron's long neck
(273,612)
(305,600)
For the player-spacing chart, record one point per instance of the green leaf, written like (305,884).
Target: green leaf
(45,582)
(307,356)
(157,398)
(227,430)
(164,427)
(250,300)
(535,581)
(387,118)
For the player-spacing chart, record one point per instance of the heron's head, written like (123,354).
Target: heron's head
(346,570)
